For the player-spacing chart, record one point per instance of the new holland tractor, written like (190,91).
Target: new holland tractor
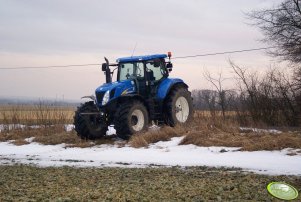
(142,94)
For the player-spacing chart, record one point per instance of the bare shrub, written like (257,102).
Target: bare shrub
(269,99)
(217,83)
(48,114)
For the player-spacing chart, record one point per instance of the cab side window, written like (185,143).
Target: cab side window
(154,73)
(131,70)
(126,70)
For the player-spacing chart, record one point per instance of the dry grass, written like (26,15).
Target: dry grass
(51,135)
(50,120)
(38,114)
(205,130)
(247,142)
(215,131)
(156,135)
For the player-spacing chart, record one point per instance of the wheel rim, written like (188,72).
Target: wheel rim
(182,109)
(137,120)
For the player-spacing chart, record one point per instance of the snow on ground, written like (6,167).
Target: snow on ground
(12,126)
(257,130)
(167,153)
(68,127)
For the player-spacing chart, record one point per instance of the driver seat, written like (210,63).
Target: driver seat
(150,75)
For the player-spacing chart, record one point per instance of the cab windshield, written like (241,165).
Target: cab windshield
(130,70)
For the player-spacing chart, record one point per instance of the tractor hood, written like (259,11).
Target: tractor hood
(115,89)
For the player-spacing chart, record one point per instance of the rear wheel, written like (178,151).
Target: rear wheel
(131,117)
(179,107)
(89,126)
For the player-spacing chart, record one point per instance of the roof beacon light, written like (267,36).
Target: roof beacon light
(169,55)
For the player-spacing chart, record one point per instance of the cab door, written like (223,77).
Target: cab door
(139,74)
(155,73)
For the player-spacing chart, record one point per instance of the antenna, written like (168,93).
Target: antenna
(134,49)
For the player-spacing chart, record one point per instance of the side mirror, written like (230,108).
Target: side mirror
(169,66)
(104,67)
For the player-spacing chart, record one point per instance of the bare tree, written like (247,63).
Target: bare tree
(281,26)
(248,87)
(270,98)
(218,85)
(297,80)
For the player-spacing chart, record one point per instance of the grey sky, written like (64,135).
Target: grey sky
(59,32)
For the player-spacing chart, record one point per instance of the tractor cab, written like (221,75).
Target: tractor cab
(146,71)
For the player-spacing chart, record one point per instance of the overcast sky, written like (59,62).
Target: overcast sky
(63,32)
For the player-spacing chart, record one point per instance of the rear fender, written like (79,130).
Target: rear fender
(167,85)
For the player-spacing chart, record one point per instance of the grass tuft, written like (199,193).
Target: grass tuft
(156,135)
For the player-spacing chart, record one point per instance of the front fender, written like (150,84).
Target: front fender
(91,97)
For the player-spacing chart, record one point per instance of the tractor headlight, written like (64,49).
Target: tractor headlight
(106,98)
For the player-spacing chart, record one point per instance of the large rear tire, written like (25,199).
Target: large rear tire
(178,107)
(130,118)
(89,126)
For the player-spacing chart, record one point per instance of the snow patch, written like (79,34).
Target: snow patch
(69,127)
(111,131)
(29,139)
(163,153)
(257,130)
(11,126)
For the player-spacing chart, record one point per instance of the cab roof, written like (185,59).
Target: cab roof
(140,58)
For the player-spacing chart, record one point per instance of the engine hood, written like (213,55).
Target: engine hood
(116,89)
(116,85)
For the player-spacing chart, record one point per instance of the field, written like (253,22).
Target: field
(25,183)
(223,140)
(36,114)
(46,122)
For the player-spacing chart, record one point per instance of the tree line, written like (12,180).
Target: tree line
(275,97)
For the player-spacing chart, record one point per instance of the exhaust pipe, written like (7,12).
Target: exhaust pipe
(106,69)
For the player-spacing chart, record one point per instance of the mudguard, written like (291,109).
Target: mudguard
(166,85)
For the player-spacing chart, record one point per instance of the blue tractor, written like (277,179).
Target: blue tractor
(142,94)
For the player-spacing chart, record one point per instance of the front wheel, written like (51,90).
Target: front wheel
(88,123)
(130,118)
(179,107)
